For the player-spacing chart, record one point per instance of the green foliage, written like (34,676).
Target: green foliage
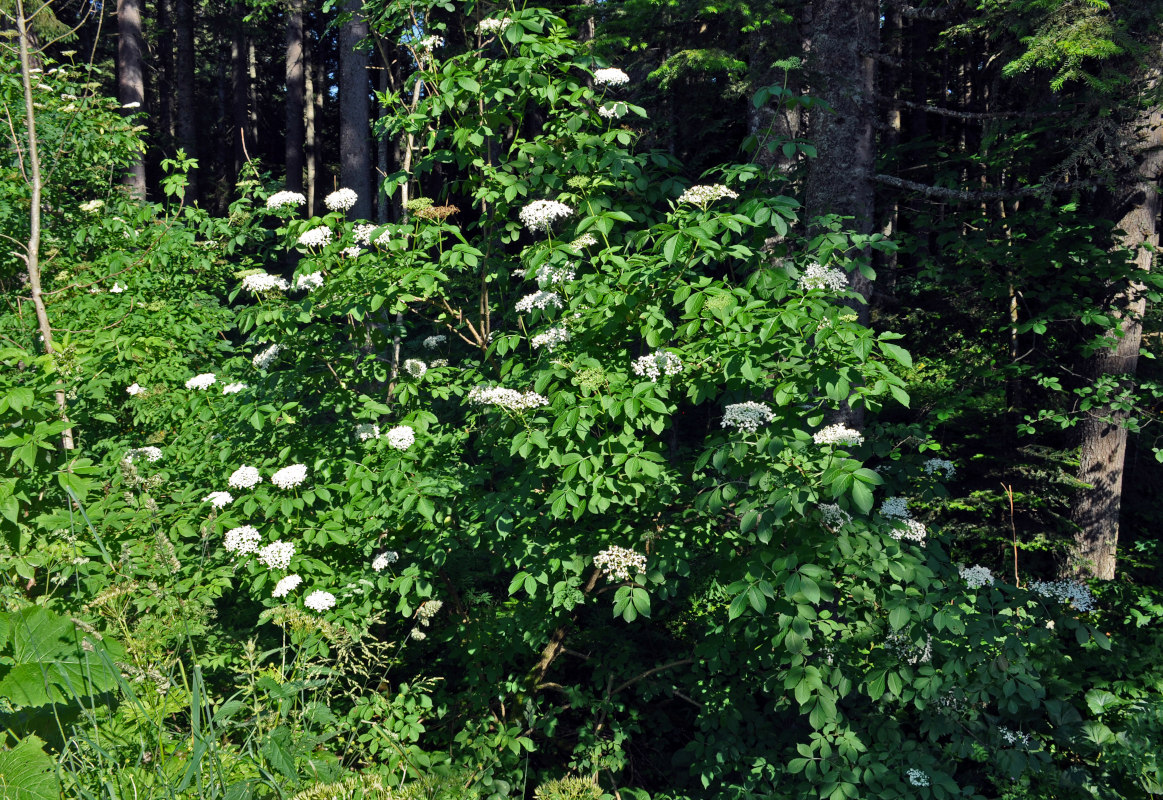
(27,772)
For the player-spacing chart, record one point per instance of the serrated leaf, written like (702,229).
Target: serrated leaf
(27,772)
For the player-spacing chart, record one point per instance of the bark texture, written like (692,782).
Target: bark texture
(1103,434)
(354,111)
(187,103)
(296,97)
(131,79)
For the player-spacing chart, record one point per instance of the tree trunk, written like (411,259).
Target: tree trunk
(164,85)
(1103,435)
(131,80)
(239,101)
(354,111)
(187,103)
(314,100)
(296,97)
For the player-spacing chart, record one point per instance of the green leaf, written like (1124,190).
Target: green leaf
(862,496)
(279,753)
(27,772)
(898,354)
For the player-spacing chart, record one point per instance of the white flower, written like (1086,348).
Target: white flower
(286,585)
(816,277)
(277,555)
(418,634)
(610,76)
(913,531)
(934,464)
(290,477)
(134,390)
(280,199)
(747,416)
(656,365)
(316,237)
(1075,593)
(219,499)
(539,299)
(367,430)
(401,437)
(309,281)
(918,778)
(320,601)
(430,43)
(203,381)
(508,399)
(242,540)
(837,434)
(548,275)
(134,104)
(540,214)
(896,508)
(619,561)
(611,110)
(976,576)
(487,26)
(585,240)
(92,206)
(341,199)
(703,196)
(415,367)
(233,388)
(352,252)
(117,288)
(267,357)
(432,342)
(244,477)
(551,338)
(834,516)
(384,560)
(263,282)
(427,610)
(1016,738)
(150,452)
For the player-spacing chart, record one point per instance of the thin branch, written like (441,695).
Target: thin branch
(967,196)
(970,115)
(650,672)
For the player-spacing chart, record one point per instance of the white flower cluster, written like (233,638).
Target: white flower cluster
(1075,593)
(203,381)
(548,275)
(656,365)
(551,338)
(242,540)
(286,585)
(415,367)
(487,26)
(429,43)
(384,560)
(401,437)
(540,214)
(427,610)
(363,235)
(1013,738)
(903,647)
(290,477)
(244,478)
(134,390)
(538,299)
(934,464)
(611,111)
(267,357)
(309,281)
(705,195)
(913,531)
(834,516)
(277,555)
(352,252)
(815,276)
(280,199)
(92,206)
(117,288)
(610,76)
(263,282)
(341,199)
(585,240)
(432,342)
(837,434)
(150,452)
(316,237)
(917,777)
(233,388)
(896,508)
(619,561)
(508,399)
(976,576)
(320,601)
(747,416)
(219,499)
(367,430)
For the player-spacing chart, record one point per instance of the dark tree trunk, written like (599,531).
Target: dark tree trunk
(239,97)
(164,85)
(131,80)
(1103,434)
(187,102)
(296,97)
(354,111)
